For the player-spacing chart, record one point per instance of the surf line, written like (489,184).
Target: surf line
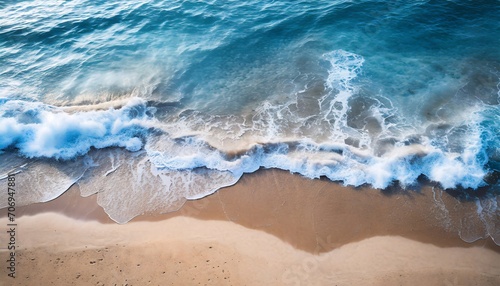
(11,225)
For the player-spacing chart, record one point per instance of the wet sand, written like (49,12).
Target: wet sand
(271,228)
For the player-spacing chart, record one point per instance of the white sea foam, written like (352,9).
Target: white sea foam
(38,130)
(275,138)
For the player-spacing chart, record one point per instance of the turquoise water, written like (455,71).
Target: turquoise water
(176,99)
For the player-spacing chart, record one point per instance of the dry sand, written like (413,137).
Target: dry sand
(272,228)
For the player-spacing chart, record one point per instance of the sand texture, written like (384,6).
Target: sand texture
(271,228)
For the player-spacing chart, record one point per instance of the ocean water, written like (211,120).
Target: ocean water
(149,103)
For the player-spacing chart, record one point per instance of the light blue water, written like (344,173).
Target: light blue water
(196,93)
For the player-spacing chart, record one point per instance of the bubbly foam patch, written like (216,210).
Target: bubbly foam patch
(128,185)
(41,131)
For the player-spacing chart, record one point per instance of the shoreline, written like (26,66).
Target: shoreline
(271,226)
(276,201)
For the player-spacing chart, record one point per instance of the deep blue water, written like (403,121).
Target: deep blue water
(196,93)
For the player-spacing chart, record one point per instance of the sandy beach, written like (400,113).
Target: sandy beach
(271,228)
